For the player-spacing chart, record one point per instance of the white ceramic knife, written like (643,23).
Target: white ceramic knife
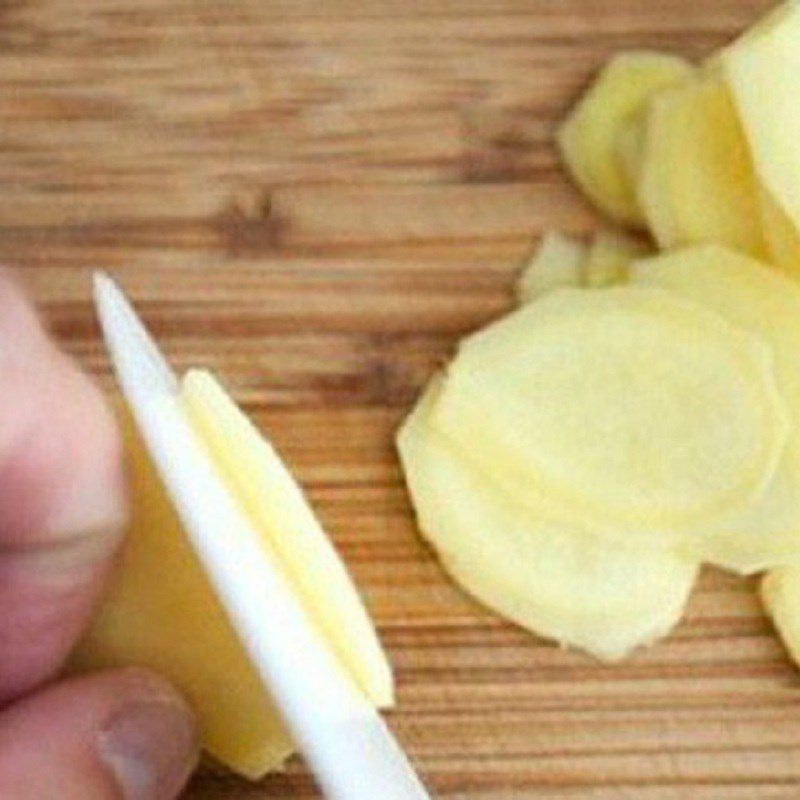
(342,737)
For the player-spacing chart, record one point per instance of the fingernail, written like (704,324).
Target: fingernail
(150,749)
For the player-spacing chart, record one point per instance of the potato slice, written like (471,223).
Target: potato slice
(762,71)
(630,411)
(162,613)
(696,181)
(588,139)
(277,508)
(557,263)
(609,258)
(780,593)
(762,301)
(629,147)
(553,580)
(783,238)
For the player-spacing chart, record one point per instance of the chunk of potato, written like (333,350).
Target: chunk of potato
(762,71)
(760,300)
(610,255)
(549,578)
(557,263)
(588,139)
(161,612)
(696,182)
(630,411)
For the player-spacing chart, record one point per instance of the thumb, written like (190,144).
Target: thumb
(122,735)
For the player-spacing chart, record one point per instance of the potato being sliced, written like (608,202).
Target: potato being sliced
(610,255)
(588,139)
(696,182)
(161,612)
(557,263)
(551,579)
(762,301)
(762,71)
(631,411)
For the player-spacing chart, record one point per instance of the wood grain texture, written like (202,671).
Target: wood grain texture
(316,199)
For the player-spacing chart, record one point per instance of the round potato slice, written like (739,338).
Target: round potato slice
(758,299)
(550,578)
(631,411)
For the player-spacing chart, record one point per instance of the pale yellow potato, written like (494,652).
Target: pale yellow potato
(631,411)
(758,299)
(558,262)
(588,138)
(696,182)
(610,255)
(762,71)
(782,236)
(552,579)
(630,148)
(161,612)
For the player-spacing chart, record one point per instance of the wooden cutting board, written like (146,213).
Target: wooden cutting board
(316,199)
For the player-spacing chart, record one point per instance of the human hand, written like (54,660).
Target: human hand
(118,735)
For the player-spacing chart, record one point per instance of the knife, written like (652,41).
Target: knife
(343,739)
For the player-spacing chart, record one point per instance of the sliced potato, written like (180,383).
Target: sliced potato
(588,139)
(783,237)
(610,255)
(696,182)
(762,71)
(760,300)
(551,579)
(630,410)
(275,503)
(557,263)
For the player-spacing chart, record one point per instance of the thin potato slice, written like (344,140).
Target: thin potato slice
(552,580)
(762,71)
(275,503)
(630,411)
(696,182)
(762,301)
(610,255)
(557,263)
(588,139)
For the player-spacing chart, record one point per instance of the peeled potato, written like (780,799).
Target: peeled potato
(783,237)
(609,258)
(696,182)
(630,411)
(551,579)
(760,300)
(161,612)
(557,263)
(588,139)
(762,71)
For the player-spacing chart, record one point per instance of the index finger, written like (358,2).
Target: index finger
(61,498)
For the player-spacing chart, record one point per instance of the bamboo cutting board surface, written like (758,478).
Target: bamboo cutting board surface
(316,199)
